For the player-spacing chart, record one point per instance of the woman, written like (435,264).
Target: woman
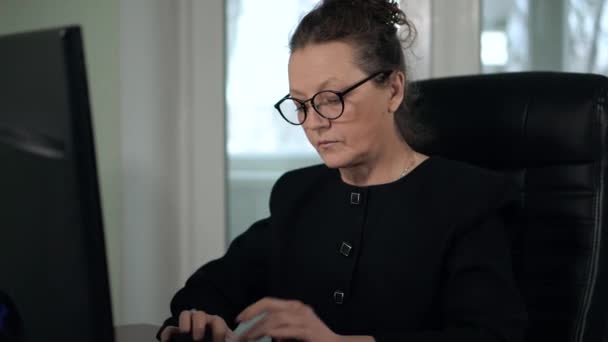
(381,243)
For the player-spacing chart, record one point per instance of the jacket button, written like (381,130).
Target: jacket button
(345,249)
(355,198)
(338,297)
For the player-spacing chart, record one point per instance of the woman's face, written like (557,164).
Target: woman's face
(366,126)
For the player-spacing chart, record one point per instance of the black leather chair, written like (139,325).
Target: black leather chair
(548,131)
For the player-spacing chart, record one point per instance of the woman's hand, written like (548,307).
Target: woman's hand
(285,320)
(196,322)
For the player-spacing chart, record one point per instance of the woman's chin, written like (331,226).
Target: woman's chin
(334,161)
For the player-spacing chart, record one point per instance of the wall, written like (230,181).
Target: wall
(156,79)
(172,100)
(148,42)
(99,20)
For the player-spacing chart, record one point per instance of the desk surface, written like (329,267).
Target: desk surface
(136,333)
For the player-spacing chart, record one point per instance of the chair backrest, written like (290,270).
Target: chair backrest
(549,131)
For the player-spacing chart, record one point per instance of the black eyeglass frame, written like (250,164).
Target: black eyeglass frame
(339,94)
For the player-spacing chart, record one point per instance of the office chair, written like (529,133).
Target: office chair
(548,131)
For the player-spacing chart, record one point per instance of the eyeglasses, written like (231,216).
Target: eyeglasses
(327,103)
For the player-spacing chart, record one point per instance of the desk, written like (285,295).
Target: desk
(136,333)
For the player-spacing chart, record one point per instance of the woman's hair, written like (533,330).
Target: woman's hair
(371,28)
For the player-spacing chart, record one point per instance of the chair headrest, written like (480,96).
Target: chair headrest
(514,118)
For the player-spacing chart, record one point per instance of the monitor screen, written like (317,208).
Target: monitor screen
(53,272)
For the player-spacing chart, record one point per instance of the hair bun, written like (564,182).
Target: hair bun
(384,11)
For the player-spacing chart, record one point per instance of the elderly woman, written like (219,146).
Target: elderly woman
(381,243)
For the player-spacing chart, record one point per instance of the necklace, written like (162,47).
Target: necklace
(409,167)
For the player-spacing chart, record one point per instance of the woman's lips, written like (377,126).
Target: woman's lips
(326,143)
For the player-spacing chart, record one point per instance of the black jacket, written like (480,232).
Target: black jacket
(425,258)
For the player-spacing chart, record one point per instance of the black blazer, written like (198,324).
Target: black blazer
(424,258)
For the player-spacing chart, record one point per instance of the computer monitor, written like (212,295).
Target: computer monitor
(53,273)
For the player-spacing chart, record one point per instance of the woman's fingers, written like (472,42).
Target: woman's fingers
(185,326)
(267,305)
(219,329)
(286,320)
(199,323)
(185,321)
(168,332)
(283,319)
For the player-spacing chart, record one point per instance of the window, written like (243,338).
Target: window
(261,146)
(257,77)
(559,35)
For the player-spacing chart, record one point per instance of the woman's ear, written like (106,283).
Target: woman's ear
(396,84)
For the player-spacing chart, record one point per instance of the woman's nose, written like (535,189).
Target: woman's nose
(314,120)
